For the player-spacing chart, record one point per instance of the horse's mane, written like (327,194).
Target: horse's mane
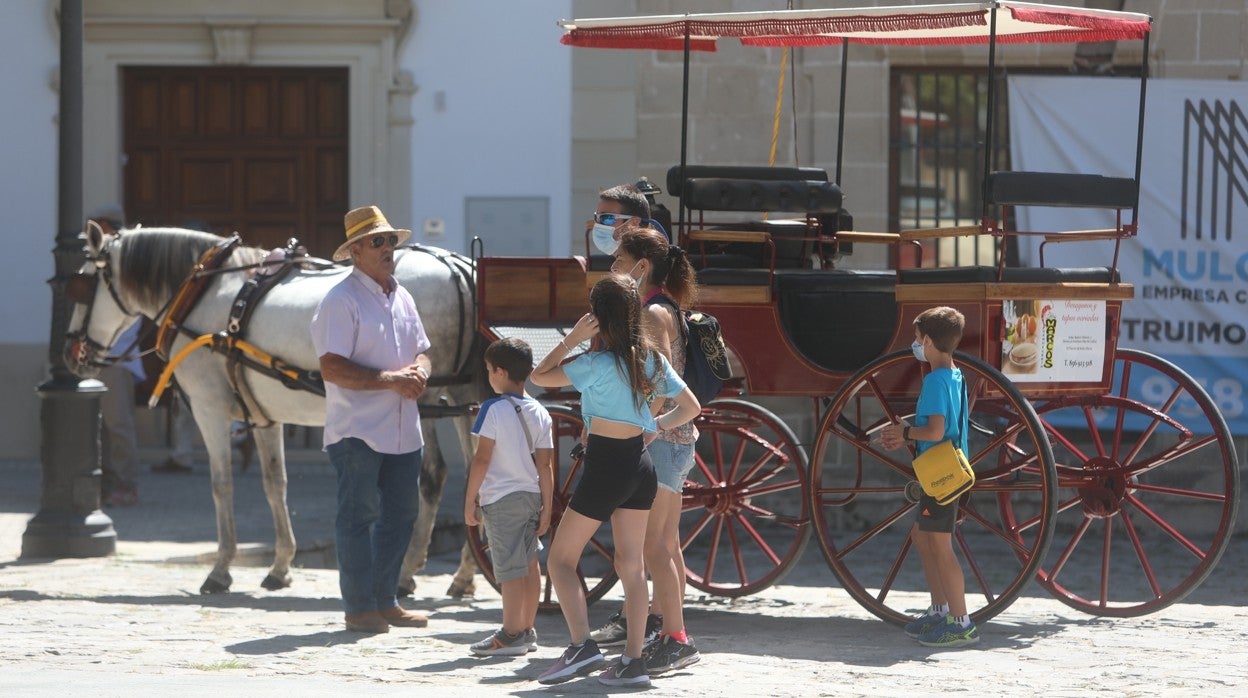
(153,262)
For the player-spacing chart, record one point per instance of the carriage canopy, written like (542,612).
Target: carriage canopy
(958,23)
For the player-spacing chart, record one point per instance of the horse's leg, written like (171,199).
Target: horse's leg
(432,478)
(269,444)
(463,583)
(214,428)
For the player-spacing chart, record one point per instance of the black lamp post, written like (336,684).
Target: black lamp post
(69,522)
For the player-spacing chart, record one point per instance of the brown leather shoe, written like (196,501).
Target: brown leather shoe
(367,622)
(399,617)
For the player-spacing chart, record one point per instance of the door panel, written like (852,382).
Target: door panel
(260,151)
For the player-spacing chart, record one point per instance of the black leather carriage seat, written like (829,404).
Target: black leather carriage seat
(1019,275)
(838,319)
(676,177)
(813,198)
(1059,189)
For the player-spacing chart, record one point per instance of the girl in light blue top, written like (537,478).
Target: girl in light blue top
(622,385)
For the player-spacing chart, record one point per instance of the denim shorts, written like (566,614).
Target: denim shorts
(511,530)
(672,463)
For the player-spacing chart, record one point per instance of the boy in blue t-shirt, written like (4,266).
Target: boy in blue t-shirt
(510,484)
(940,414)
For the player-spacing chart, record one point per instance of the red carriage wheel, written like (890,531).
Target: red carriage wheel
(861,514)
(745,517)
(597,566)
(1148,484)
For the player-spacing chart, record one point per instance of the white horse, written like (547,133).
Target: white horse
(139,271)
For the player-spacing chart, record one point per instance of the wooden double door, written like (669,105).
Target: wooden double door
(260,151)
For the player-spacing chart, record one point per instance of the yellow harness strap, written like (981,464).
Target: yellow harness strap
(227,343)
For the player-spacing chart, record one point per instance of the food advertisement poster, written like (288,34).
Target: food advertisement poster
(1050,341)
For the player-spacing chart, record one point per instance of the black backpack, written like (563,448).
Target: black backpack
(706,357)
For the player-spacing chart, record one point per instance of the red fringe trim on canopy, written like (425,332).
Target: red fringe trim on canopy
(584,39)
(1061,36)
(1117,28)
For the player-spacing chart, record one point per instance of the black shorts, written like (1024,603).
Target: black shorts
(616,474)
(937,518)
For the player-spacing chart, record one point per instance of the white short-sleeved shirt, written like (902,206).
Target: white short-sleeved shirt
(359,322)
(511,465)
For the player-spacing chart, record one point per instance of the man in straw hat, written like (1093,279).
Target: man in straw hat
(372,348)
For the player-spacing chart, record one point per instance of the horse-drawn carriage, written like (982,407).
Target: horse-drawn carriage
(1081,484)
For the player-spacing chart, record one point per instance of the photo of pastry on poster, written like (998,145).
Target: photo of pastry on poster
(1050,341)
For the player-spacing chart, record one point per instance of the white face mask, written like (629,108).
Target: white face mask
(604,238)
(917,348)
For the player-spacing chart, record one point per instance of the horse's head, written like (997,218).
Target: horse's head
(100,314)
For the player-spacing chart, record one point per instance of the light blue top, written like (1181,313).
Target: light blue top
(605,391)
(942,394)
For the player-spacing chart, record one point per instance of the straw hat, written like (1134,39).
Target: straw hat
(363,222)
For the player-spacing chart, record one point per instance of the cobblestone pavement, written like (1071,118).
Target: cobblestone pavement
(133,624)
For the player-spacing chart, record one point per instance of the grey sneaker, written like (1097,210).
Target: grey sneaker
(613,633)
(668,653)
(499,643)
(530,639)
(577,660)
(618,673)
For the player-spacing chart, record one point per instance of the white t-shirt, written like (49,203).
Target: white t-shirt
(511,464)
(358,321)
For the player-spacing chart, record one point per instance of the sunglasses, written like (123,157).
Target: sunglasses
(379,240)
(611,218)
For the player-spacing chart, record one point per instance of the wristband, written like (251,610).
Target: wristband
(905,433)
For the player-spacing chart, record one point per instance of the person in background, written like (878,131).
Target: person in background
(119,441)
(620,208)
(373,356)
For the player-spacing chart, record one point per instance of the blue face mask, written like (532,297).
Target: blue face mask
(604,238)
(917,348)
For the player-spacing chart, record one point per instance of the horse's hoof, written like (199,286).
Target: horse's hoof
(459,590)
(272,583)
(212,586)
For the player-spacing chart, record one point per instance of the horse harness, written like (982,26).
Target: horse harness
(241,354)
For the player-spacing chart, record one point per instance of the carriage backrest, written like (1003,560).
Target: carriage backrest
(1060,189)
(677,174)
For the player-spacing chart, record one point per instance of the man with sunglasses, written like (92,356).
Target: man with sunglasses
(373,356)
(619,208)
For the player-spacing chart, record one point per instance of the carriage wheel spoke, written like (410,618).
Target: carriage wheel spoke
(886,585)
(1141,555)
(976,571)
(758,540)
(874,531)
(1169,530)
(768,515)
(1068,550)
(1009,537)
(713,553)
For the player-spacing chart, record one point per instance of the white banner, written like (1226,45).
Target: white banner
(1189,262)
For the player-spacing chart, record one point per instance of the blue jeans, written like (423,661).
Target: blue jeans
(378,499)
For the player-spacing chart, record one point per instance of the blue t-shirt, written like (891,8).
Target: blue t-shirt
(605,391)
(942,394)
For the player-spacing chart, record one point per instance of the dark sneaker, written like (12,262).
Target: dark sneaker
(530,639)
(668,653)
(950,634)
(654,626)
(618,673)
(924,623)
(499,643)
(577,660)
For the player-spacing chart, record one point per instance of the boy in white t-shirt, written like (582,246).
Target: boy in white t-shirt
(510,482)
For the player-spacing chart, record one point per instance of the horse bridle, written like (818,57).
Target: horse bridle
(80,288)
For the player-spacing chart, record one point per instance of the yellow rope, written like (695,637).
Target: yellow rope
(775,124)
